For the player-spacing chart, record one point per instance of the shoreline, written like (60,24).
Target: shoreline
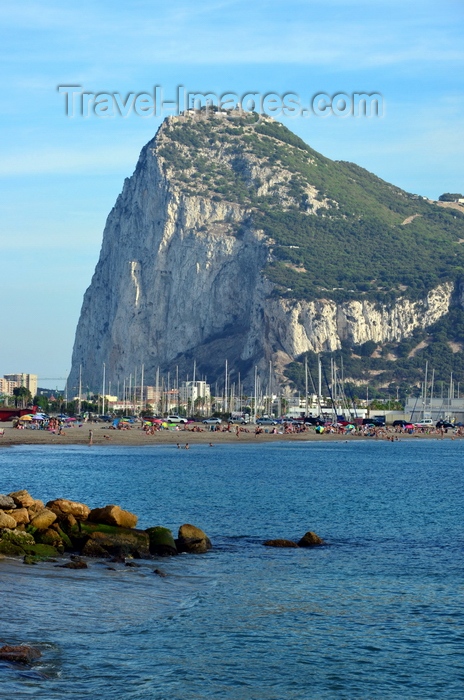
(136,437)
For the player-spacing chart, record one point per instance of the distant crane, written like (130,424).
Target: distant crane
(48,379)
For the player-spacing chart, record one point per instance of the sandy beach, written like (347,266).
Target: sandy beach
(103,435)
(135,436)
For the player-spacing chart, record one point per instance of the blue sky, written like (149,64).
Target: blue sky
(61,176)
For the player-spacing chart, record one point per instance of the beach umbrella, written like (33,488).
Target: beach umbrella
(70,419)
(25,418)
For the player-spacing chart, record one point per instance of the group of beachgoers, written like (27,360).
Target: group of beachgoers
(57,426)
(52,425)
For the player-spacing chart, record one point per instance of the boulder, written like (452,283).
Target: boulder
(64,508)
(43,551)
(20,515)
(77,564)
(17,537)
(280,543)
(93,549)
(161,541)
(193,540)
(19,654)
(7,521)
(113,515)
(63,536)
(68,523)
(23,499)
(13,542)
(10,549)
(31,560)
(114,540)
(43,519)
(35,508)
(310,539)
(50,537)
(6,502)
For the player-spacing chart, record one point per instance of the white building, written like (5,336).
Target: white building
(191,391)
(18,380)
(436,408)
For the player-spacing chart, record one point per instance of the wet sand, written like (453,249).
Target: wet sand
(135,436)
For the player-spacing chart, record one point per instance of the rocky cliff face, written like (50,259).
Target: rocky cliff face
(182,272)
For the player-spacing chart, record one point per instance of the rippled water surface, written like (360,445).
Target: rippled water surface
(378,613)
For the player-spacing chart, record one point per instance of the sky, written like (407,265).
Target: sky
(61,174)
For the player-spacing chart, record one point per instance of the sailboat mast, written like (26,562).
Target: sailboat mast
(226,387)
(157,389)
(431,393)
(103,389)
(80,388)
(425,388)
(269,389)
(256,383)
(141,387)
(306,386)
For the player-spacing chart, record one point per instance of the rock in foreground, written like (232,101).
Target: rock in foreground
(193,540)
(280,543)
(19,654)
(310,539)
(161,541)
(113,515)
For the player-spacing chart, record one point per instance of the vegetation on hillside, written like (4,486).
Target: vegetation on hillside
(338,231)
(450,197)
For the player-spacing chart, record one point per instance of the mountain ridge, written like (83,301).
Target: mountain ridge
(236,240)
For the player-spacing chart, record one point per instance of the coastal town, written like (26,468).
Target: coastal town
(191,411)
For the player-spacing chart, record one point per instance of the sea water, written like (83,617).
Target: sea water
(376,613)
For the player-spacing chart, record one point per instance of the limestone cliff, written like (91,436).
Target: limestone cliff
(189,269)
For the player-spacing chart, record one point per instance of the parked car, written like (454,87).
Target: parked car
(212,421)
(314,420)
(445,424)
(176,419)
(424,423)
(399,423)
(266,421)
(375,422)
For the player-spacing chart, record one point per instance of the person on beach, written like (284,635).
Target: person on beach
(90,437)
